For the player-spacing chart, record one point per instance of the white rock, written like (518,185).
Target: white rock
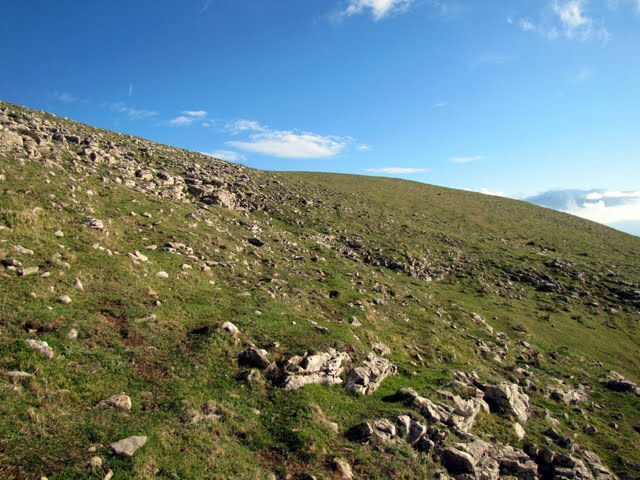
(72,334)
(66,299)
(230,328)
(162,275)
(41,347)
(128,446)
(59,233)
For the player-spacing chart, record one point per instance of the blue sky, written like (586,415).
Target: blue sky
(517,98)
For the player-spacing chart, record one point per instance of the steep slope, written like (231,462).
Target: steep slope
(384,328)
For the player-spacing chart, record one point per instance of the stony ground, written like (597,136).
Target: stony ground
(169,315)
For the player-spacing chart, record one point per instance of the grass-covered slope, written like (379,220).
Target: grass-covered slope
(299,263)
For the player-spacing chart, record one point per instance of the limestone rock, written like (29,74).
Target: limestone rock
(324,368)
(367,378)
(254,357)
(128,446)
(509,398)
(230,328)
(41,347)
(119,402)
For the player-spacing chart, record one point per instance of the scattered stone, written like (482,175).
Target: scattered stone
(138,257)
(11,262)
(256,242)
(355,322)
(230,328)
(65,299)
(128,446)
(380,348)
(72,334)
(96,224)
(342,469)
(119,402)
(519,430)
(78,285)
(617,383)
(59,233)
(25,272)
(95,462)
(457,462)
(41,347)
(24,251)
(162,275)
(18,375)
(254,357)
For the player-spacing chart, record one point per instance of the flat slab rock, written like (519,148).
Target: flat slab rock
(128,446)
(40,346)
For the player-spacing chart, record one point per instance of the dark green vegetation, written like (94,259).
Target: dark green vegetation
(411,262)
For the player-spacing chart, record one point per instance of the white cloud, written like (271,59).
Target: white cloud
(363,148)
(398,170)
(440,105)
(243,125)
(568,19)
(188,117)
(228,155)
(195,113)
(204,6)
(181,121)
(486,191)
(378,8)
(462,160)
(290,144)
(132,113)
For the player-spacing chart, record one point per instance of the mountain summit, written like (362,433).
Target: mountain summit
(169,315)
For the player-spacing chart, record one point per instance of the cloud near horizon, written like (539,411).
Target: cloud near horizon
(602,206)
(228,155)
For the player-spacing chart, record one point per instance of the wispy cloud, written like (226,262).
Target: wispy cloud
(493,59)
(132,113)
(64,97)
(398,170)
(378,9)
(584,74)
(288,144)
(195,113)
(463,160)
(243,125)
(363,148)
(188,117)
(228,155)
(568,19)
(130,92)
(204,6)
(440,104)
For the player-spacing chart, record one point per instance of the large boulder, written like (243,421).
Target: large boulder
(508,398)
(325,368)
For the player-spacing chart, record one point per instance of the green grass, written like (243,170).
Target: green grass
(464,241)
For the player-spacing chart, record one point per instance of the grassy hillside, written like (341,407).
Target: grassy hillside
(451,282)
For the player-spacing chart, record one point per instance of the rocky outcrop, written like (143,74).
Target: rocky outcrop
(323,368)
(618,383)
(368,377)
